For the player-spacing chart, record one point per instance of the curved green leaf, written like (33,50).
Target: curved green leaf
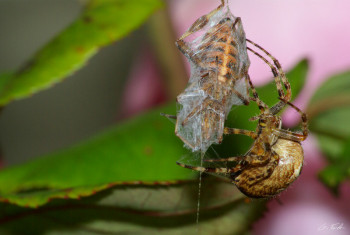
(143,149)
(101,23)
(338,171)
(140,151)
(140,210)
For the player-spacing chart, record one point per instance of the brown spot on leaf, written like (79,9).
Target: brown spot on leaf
(67,190)
(147,150)
(87,19)
(80,49)
(158,125)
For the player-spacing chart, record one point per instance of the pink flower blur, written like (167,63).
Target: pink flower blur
(292,30)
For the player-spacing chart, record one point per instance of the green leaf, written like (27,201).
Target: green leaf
(331,129)
(101,23)
(338,171)
(140,210)
(142,150)
(329,112)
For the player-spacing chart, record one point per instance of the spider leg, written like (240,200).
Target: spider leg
(276,75)
(235,131)
(279,77)
(262,106)
(280,71)
(276,62)
(229,159)
(219,170)
(279,106)
(292,135)
(289,135)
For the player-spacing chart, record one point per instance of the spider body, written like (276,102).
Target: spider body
(272,163)
(259,182)
(274,160)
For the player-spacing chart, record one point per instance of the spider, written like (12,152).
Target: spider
(219,65)
(275,158)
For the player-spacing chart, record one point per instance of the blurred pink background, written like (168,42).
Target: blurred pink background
(291,30)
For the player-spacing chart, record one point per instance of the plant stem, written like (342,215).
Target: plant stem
(162,38)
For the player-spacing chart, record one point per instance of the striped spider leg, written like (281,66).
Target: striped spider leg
(274,160)
(279,77)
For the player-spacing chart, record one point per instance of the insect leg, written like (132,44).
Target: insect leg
(241,97)
(195,27)
(207,102)
(201,22)
(237,21)
(246,79)
(168,116)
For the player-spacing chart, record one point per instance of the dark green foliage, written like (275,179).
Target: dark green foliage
(329,111)
(101,23)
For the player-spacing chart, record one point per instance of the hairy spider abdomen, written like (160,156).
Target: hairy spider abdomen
(272,178)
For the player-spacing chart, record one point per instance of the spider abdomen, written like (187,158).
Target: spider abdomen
(272,178)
